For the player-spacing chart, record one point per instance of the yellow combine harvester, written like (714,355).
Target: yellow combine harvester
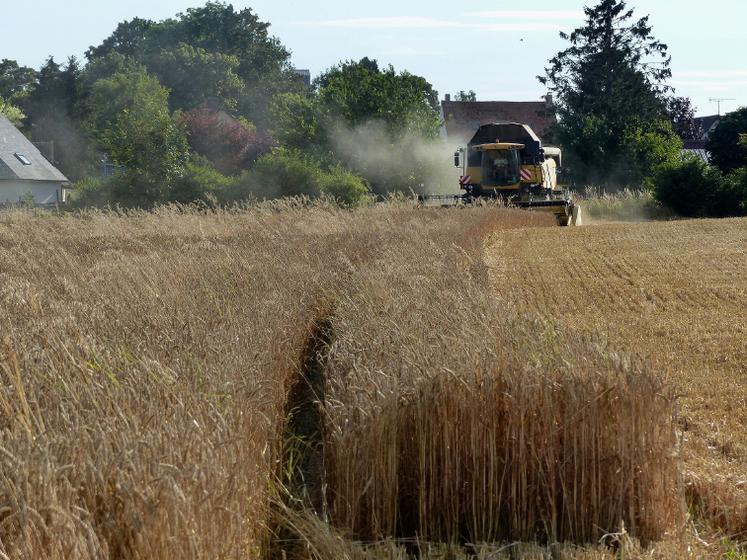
(507,161)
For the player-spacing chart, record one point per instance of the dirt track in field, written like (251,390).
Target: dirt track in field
(673,292)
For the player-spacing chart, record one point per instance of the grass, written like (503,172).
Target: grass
(162,373)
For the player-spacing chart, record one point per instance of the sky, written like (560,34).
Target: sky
(494,47)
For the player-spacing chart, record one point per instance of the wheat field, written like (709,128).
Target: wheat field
(298,381)
(674,293)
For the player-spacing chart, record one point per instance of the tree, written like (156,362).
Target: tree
(357,92)
(15,81)
(646,148)
(11,112)
(56,90)
(195,75)
(466,96)
(130,117)
(230,144)
(127,39)
(297,121)
(612,74)
(54,106)
(682,116)
(724,143)
(224,46)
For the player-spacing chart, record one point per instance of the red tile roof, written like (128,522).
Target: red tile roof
(463,118)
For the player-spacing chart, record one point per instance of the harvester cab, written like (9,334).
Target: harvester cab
(507,161)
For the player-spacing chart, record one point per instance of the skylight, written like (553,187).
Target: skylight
(22,158)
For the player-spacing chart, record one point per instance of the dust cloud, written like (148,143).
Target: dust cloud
(405,163)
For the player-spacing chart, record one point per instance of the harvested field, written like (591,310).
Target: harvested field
(307,382)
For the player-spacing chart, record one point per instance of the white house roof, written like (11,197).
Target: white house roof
(20,159)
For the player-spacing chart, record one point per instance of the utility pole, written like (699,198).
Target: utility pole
(719,100)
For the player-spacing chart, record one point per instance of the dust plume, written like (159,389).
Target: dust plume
(402,163)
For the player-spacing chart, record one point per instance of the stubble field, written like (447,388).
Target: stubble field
(288,381)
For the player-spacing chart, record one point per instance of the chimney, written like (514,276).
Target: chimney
(548,101)
(448,97)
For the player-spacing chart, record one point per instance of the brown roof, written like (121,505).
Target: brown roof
(463,118)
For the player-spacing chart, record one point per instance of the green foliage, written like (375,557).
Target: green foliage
(129,116)
(213,50)
(466,96)
(645,149)
(344,186)
(11,112)
(200,181)
(357,92)
(727,153)
(90,192)
(195,75)
(288,172)
(296,121)
(56,91)
(285,172)
(610,78)
(375,122)
(692,188)
(15,81)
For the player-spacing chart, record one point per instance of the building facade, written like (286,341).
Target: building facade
(26,176)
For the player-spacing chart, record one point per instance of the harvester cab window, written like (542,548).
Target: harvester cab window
(501,168)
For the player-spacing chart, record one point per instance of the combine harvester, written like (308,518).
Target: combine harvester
(506,161)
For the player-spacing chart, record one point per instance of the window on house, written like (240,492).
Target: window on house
(23,159)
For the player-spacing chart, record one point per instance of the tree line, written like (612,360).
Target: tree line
(621,125)
(206,106)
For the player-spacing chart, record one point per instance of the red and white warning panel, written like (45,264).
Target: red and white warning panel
(526,175)
(465,180)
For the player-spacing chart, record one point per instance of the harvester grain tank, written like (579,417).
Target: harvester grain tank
(507,161)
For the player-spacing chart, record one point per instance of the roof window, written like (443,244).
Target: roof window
(22,158)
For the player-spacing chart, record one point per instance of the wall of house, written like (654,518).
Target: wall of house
(44,192)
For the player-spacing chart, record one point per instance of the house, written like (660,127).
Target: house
(25,174)
(305,76)
(705,127)
(463,118)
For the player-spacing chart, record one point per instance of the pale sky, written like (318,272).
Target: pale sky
(494,47)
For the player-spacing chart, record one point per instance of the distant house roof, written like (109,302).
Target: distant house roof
(463,118)
(20,159)
(707,124)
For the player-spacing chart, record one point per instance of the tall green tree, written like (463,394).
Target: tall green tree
(357,92)
(230,52)
(725,144)
(55,113)
(195,75)
(15,81)
(611,77)
(130,118)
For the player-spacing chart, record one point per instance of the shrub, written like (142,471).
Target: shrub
(90,192)
(347,188)
(231,144)
(287,172)
(693,188)
(201,181)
